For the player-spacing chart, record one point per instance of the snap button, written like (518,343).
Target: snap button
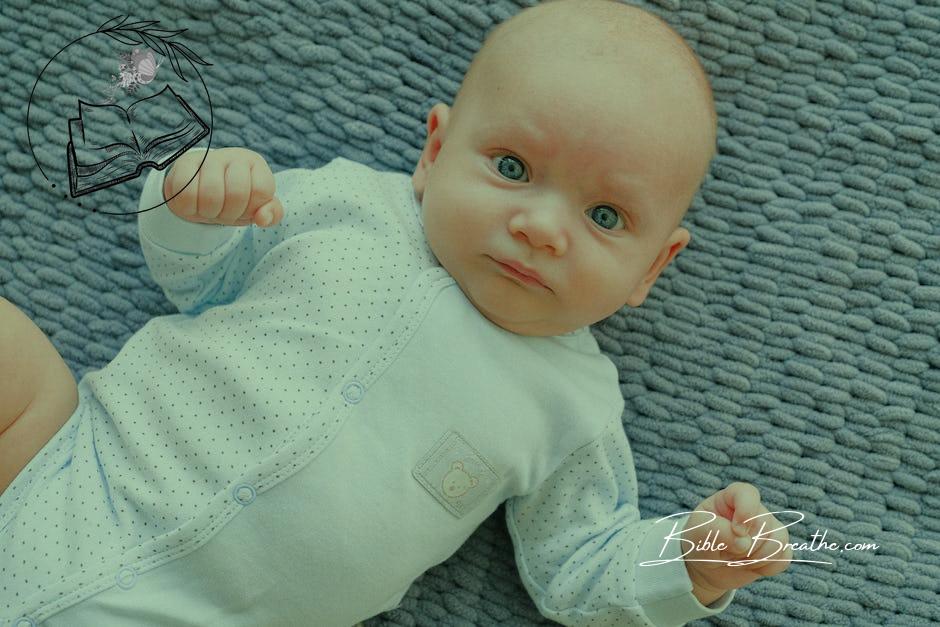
(126,578)
(353,392)
(244,494)
(24,621)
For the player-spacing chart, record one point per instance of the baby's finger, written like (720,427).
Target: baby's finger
(739,546)
(211,189)
(181,188)
(769,557)
(262,183)
(237,191)
(739,502)
(770,537)
(269,214)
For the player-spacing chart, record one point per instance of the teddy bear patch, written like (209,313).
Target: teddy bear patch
(456,474)
(457,482)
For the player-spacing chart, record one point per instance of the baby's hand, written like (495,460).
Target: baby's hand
(764,538)
(234,187)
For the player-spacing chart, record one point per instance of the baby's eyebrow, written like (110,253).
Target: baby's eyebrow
(533,135)
(528,134)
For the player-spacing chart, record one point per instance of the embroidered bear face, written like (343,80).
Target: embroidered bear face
(457,481)
(457,475)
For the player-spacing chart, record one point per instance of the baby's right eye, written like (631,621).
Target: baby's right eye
(510,167)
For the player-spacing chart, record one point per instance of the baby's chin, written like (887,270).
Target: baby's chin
(501,311)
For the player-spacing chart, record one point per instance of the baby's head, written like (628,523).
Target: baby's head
(575,144)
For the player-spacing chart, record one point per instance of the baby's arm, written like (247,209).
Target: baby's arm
(579,543)
(199,245)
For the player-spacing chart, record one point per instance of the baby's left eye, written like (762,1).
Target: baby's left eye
(606,216)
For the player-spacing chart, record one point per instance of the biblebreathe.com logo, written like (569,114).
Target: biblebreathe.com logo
(760,545)
(108,107)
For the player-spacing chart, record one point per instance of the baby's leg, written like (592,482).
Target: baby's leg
(37,391)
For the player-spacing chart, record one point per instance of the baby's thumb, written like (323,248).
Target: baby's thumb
(270,213)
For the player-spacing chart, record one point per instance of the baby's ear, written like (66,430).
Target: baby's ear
(438,117)
(676,242)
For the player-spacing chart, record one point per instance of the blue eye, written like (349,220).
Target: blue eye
(511,168)
(605,216)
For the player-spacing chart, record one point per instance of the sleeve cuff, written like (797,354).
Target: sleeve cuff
(664,591)
(160,227)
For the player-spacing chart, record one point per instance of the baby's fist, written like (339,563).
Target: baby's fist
(234,187)
(737,540)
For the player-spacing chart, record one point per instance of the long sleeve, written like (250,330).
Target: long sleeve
(579,542)
(198,265)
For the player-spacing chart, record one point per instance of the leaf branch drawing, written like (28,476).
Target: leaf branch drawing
(153,38)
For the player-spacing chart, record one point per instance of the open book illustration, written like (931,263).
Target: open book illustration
(109,144)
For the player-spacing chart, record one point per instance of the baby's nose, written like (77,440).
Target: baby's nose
(544,223)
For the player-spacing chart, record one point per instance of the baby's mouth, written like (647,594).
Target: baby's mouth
(519,276)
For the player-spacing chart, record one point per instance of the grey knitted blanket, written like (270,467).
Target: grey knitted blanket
(793,344)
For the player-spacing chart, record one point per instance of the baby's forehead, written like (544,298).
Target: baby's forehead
(594,27)
(600,37)
(604,40)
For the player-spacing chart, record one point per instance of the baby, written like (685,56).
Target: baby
(365,366)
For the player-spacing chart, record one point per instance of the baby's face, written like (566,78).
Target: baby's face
(565,170)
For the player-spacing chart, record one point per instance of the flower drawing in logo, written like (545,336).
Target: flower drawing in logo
(138,68)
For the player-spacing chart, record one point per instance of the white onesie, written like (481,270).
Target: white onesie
(326,419)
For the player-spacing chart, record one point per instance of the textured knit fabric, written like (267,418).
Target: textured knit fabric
(329,407)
